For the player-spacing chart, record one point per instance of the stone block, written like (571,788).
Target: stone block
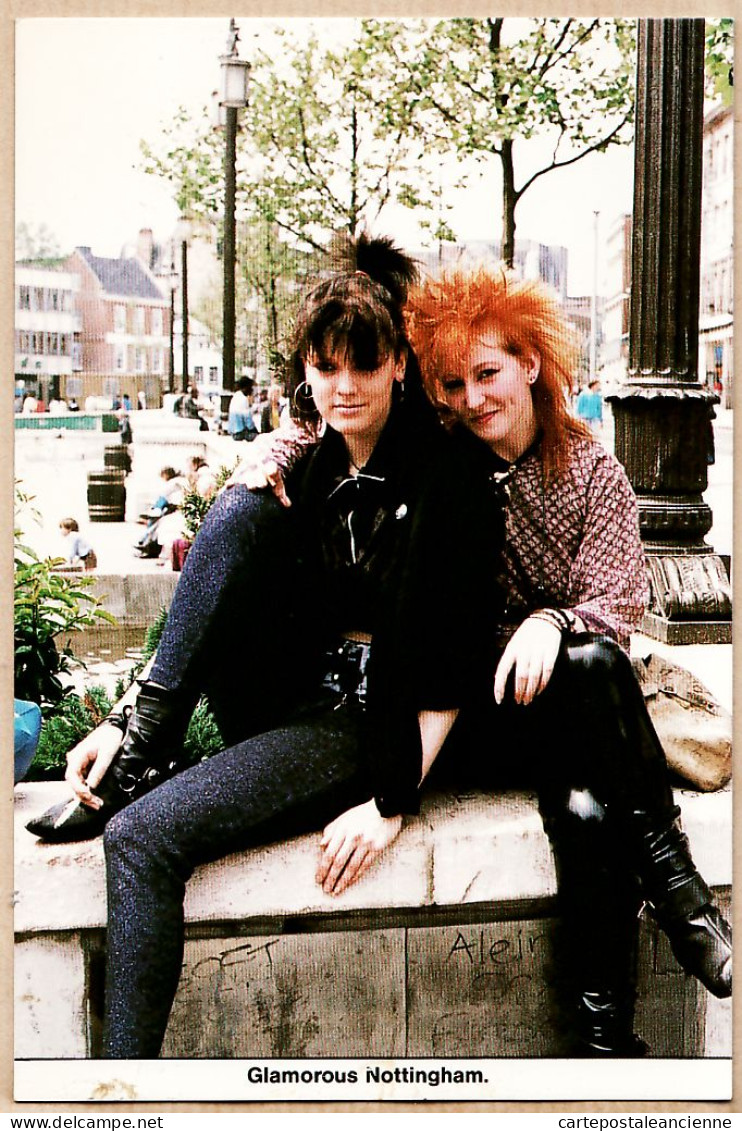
(58,887)
(311,995)
(50,1012)
(481,989)
(278,880)
(488,848)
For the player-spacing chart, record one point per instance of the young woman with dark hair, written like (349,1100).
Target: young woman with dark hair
(336,698)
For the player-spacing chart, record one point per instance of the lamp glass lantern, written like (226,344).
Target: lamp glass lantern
(235,76)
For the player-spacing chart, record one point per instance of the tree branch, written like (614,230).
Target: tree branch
(601,143)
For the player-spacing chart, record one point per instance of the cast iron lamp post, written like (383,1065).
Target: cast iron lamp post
(182,236)
(232,98)
(663,414)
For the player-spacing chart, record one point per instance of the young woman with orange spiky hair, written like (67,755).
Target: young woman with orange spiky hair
(498,359)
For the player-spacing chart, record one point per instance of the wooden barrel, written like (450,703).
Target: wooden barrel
(117,455)
(106,495)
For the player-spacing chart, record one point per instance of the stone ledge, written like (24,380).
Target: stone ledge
(135,599)
(463,849)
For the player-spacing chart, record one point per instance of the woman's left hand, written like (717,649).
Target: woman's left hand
(532,651)
(351,843)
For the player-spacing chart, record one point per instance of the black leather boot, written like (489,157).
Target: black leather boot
(605,1025)
(149,754)
(629,768)
(682,904)
(599,901)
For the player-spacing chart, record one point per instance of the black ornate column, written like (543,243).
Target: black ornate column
(663,414)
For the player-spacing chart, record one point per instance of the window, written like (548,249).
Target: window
(157,322)
(139,320)
(54,296)
(214,375)
(24,298)
(38,293)
(52,344)
(119,319)
(64,345)
(157,360)
(141,360)
(120,359)
(198,372)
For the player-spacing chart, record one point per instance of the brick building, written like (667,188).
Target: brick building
(125,327)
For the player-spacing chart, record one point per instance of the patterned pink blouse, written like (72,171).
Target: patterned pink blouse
(578,542)
(575,545)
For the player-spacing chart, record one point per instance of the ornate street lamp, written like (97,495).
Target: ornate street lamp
(233,97)
(171,278)
(181,236)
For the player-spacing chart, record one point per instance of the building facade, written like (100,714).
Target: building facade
(48,327)
(616,307)
(716,356)
(125,327)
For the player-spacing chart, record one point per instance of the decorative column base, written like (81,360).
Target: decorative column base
(663,435)
(691,600)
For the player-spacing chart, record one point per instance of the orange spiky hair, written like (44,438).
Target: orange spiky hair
(445,314)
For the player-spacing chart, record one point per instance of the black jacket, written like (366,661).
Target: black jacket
(435,617)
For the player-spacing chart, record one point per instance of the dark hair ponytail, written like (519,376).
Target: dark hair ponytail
(358,308)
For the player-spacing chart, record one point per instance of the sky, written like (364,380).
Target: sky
(88,90)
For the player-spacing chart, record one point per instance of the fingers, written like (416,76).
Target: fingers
(504,668)
(279,491)
(75,778)
(342,863)
(359,862)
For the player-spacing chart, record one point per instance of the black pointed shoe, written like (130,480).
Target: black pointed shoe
(150,753)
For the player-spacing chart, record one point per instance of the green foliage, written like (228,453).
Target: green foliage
(318,150)
(195,507)
(153,634)
(720,60)
(76,717)
(202,737)
(48,607)
(334,134)
(482,88)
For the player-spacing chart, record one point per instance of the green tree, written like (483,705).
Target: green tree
(486,88)
(35,241)
(720,60)
(317,152)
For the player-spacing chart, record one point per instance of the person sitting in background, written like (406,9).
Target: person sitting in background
(168,501)
(190,407)
(200,477)
(79,551)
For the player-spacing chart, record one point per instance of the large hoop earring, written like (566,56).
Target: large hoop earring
(303,401)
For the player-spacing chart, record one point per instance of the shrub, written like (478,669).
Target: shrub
(47,608)
(76,717)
